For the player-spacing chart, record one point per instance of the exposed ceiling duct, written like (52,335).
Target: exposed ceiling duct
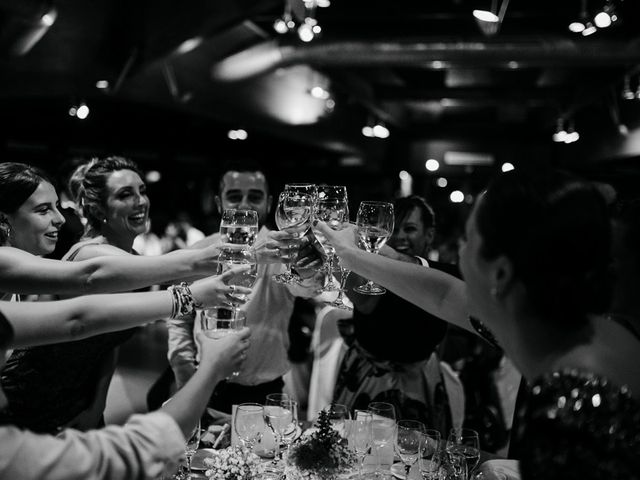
(267,56)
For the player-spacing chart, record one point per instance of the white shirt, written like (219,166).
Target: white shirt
(143,448)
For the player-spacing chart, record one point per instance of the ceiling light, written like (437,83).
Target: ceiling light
(627,94)
(72,111)
(602,20)
(456,196)
(572,136)
(367,131)
(623,129)
(319,92)
(305,32)
(102,84)
(486,16)
(49,18)
(576,27)
(83,111)
(323,3)
(507,167)
(432,165)
(380,131)
(561,134)
(580,24)
(189,45)
(404,175)
(442,182)
(589,29)
(280,26)
(152,176)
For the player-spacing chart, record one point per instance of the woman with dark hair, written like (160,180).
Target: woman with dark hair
(65,385)
(397,368)
(536,264)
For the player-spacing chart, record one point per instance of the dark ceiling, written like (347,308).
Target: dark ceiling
(445,88)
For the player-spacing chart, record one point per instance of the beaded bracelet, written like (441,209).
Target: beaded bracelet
(183,302)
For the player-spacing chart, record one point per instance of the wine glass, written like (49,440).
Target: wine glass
(338,416)
(374,226)
(216,322)
(238,228)
(278,416)
(229,258)
(430,460)
(361,436)
(408,442)
(292,429)
(190,448)
(293,214)
(249,423)
(383,426)
(339,300)
(332,208)
(465,442)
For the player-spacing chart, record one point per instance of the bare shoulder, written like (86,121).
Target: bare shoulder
(92,250)
(206,241)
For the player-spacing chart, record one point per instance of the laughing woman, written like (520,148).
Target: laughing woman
(65,385)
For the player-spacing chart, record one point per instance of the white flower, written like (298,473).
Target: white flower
(233,463)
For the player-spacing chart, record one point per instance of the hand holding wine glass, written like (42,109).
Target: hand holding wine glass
(374,225)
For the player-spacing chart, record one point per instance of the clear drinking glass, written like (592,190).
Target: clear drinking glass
(292,429)
(216,322)
(339,416)
(229,258)
(293,214)
(332,208)
(374,226)
(361,436)
(239,227)
(408,442)
(383,427)
(465,442)
(429,462)
(278,415)
(249,423)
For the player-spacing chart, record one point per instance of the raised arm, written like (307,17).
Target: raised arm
(37,323)
(438,293)
(21,272)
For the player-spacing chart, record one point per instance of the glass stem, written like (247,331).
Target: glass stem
(343,282)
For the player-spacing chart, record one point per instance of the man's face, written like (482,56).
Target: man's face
(245,191)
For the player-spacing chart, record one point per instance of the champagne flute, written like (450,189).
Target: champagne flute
(408,442)
(293,214)
(430,459)
(465,442)
(238,228)
(383,426)
(332,208)
(374,225)
(193,441)
(361,436)
(249,423)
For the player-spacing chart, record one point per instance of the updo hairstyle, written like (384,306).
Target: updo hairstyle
(556,231)
(405,205)
(88,186)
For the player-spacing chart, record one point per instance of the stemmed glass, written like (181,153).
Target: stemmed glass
(293,214)
(292,429)
(383,427)
(338,416)
(278,415)
(374,225)
(465,442)
(339,300)
(409,441)
(429,456)
(249,423)
(361,436)
(332,208)
(192,446)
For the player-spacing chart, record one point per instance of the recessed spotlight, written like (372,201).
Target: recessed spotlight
(432,165)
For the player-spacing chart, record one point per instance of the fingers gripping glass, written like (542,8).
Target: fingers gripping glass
(374,226)
(293,214)
(217,322)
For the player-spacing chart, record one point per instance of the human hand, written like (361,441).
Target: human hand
(226,354)
(342,239)
(498,469)
(212,291)
(309,259)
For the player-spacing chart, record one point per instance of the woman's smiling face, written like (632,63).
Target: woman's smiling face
(127,207)
(36,223)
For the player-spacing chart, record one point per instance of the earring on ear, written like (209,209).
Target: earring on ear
(104,220)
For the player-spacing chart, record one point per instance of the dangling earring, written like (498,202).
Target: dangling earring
(5,231)
(104,220)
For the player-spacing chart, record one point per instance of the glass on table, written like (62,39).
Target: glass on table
(278,415)
(465,442)
(339,418)
(249,424)
(190,448)
(374,226)
(383,427)
(361,436)
(408,442)
(429,461)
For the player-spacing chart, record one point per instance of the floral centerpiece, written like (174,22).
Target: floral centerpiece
(233,463)
(323,455)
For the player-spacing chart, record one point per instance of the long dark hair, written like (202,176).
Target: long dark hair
(18,181)
(556,230)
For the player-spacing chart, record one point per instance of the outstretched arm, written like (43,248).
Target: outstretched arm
(37,323)
(21,272)
(438,293)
